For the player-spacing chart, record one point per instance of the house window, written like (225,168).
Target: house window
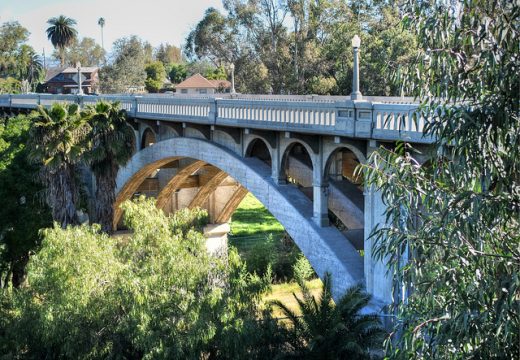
(184,91)
(203,91)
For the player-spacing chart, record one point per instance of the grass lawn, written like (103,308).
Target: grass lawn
(252,222)
(284,293)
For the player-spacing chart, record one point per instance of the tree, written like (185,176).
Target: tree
(12,36)
(155,76)
(30,67)
(23,212)
(168,54)
(216,74)
(326,330)
(62,34)
(154,294)
(86,52)
(127,69)
(101,23)
(178,72)
(456,217)
(57,142)
(112,143)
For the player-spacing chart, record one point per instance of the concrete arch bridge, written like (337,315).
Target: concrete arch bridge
(296,154)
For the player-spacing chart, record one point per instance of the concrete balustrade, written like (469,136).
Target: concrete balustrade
(371,118)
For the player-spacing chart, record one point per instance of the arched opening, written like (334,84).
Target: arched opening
(346,201)
(148,138)
(258,148)
(297,168)
(289,207)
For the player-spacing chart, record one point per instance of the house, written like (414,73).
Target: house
(61,80)
(198,84)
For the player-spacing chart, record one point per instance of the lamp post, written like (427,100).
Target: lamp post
(356,94)
(232,68)
(80,89)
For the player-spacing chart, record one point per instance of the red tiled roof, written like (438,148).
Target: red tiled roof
(196,81)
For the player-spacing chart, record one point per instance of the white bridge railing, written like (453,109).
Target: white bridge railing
(374,118)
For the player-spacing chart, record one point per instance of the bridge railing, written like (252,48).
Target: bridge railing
(376,118)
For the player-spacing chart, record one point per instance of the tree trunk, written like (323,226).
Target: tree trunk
(19,273)
(106,197)
(62,195)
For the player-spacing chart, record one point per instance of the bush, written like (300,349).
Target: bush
(149,295)
(302,269)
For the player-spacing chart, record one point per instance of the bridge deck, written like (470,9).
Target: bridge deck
(377,118)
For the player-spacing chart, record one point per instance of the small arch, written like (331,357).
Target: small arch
(258,148)
(148,139)
(342,163)
(301,170)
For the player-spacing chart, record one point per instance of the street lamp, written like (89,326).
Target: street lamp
(232,68)
(356,94)
(80,90)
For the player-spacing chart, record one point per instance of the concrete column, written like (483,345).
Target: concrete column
(320,192)
(216,239)
(277,173)
(378,282)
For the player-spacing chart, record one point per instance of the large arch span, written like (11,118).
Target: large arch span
(325,247)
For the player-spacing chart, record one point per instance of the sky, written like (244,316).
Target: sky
(156,21)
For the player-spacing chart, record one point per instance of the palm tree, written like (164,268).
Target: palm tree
(29,64)
(57,141)
(61,33)
(326,330)
(101,23)
(112,143)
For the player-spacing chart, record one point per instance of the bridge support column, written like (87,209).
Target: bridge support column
(378,281)
(320,196)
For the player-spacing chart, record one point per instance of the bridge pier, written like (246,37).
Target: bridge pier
(378,280)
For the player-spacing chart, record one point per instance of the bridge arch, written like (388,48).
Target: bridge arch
(148,138)
(259,148)
(308,154)
(346,149)
(326,248)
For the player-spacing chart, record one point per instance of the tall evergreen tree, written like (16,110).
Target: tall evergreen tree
(456,218)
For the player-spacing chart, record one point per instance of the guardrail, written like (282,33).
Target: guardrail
(373,118)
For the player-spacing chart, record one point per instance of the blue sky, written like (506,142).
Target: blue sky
(157,21)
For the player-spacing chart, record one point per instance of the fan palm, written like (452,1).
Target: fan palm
(57,142)
(328,330)
(61,33)
(112,144)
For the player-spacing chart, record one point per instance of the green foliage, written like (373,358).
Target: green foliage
(127,69)
(217,74)
(23,211)
(304,47)
(168,54)
(456,218)
(9,86)
(155,76)
(154,294)
(177,73)
(302,269)
(86,52)
(18,61)
(261,240)
(329,330)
